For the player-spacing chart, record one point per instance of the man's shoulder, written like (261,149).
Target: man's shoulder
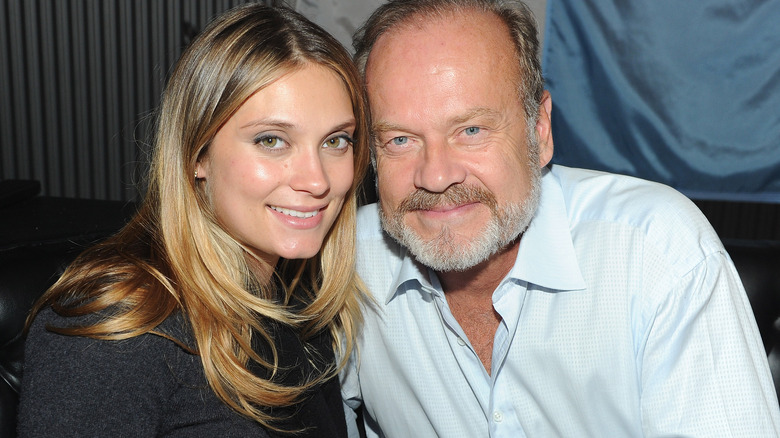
(604,187)
(665,217)
(371,238)
(595,195)
(378,255)
(368,223)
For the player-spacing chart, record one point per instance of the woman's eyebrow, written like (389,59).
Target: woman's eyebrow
(268,122)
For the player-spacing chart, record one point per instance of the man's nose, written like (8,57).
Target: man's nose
(438,167)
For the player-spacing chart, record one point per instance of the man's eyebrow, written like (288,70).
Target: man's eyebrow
(382,127)
(474,113)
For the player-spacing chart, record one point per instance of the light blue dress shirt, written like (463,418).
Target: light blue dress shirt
(623,316)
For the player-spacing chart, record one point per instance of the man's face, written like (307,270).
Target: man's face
(455,169)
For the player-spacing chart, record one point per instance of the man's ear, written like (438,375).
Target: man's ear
(544,130)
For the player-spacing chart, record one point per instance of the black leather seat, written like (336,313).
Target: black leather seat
(24,276)
(758,264)
(41,236)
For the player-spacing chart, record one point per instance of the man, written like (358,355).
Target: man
(513,298)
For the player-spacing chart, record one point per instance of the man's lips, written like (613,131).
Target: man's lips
(446,212)
(447,208)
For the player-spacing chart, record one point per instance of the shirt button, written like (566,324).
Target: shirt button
(461,342)
(498,416)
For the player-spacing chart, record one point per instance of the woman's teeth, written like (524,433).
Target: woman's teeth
(295,213)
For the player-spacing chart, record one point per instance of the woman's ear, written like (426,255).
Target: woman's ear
(201,168)
(544,129)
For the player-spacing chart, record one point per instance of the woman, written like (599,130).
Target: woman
(214,311)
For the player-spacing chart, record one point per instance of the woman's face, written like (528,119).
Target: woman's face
(278,170)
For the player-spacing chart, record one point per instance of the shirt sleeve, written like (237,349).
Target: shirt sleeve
(77,386)
(704,370)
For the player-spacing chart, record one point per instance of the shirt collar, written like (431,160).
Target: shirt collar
(545,257)
(410,270)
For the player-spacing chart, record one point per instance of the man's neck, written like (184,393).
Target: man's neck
(470,297)
(482,279)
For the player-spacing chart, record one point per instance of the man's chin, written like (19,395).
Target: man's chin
(454,248)
(446,252)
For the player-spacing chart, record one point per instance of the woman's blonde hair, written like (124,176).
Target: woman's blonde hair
(174,255)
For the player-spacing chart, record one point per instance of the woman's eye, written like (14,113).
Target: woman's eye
(269,141)
(340,142)
(472,130)
(399,141)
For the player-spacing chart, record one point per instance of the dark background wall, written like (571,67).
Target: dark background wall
(79,83)
(80,80)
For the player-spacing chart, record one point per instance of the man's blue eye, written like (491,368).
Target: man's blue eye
(400,141)
(472,130)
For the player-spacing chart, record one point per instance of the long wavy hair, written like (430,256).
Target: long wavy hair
(174,256)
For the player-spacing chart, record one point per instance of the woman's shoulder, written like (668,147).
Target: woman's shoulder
(147,357)
(146,385)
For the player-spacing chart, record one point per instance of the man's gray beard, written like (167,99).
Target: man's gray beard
(446,252)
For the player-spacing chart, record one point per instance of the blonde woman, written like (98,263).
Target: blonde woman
(214,311)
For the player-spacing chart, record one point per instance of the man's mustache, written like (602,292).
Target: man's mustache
(457,194)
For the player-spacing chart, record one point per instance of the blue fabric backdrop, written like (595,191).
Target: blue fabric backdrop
(685,92)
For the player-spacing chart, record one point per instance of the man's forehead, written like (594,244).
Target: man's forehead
(466,33)
(443,64)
